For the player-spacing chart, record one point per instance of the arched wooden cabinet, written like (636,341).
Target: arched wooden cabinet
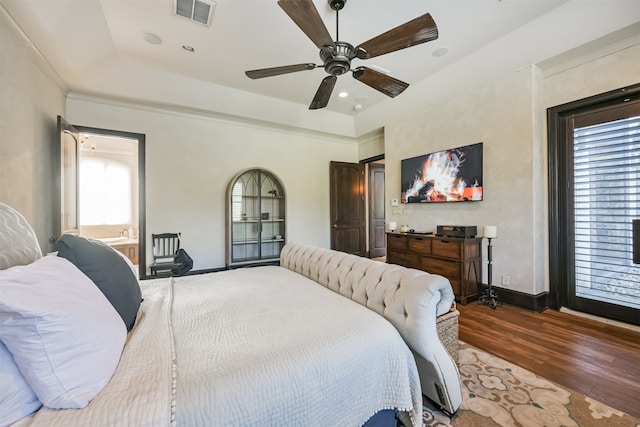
(256,227)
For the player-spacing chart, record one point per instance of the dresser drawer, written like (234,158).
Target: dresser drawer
(446,248)
(443,267)
(405,259)
(446,268)
(397,241)
(420,244)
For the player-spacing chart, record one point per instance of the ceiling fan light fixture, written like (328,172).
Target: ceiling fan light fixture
(337,58)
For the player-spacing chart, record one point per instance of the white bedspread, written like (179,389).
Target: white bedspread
(254,347)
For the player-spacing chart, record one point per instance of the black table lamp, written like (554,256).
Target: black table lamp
(490,296)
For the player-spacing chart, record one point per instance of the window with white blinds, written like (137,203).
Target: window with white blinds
(607,198)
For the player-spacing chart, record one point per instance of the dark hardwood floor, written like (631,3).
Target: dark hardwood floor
(599,360)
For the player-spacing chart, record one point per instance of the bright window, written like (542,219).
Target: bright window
(105,192)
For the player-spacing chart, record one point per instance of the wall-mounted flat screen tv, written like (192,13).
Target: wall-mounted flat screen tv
(453,175)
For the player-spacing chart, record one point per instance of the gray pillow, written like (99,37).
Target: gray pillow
(108,270)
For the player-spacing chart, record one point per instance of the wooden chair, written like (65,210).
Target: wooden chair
(165,252)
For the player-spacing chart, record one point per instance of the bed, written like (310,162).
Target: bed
(324,339)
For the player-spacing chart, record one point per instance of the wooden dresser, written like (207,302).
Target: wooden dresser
(457,259)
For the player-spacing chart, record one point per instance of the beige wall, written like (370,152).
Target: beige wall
(499,115)
(508,114)
(191,158)
(31,96)
(371,145)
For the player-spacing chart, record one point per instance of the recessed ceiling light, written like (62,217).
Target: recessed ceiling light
(343,94)
(151,38)
(188,48)
(441,51)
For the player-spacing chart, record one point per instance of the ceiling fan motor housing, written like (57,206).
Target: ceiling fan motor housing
(337,58)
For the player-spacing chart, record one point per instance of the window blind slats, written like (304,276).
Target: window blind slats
(606,198)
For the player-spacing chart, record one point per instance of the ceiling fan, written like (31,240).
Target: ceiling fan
(337,55)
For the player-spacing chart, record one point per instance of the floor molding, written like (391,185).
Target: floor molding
(601,319)
(538,303)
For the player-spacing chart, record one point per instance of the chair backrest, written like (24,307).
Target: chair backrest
(165,245)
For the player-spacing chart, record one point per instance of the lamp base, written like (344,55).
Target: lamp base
(490,298)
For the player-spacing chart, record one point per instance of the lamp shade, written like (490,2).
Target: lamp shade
(393,226)
(490,231)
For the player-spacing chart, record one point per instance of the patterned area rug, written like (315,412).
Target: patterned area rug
(498,393)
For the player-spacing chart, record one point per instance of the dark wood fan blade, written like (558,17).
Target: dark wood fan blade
(276,71)
(324,93)
(417,31)
(379,81)
(306,16)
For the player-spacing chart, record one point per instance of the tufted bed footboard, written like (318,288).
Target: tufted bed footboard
(409,299)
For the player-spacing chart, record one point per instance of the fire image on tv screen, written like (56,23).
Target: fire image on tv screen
(453,175)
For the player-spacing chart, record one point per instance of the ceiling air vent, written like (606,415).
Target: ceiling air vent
(196,10)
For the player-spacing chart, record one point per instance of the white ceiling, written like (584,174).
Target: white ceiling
(96,47)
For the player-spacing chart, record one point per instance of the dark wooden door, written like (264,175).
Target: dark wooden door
(377,235)
(347,186)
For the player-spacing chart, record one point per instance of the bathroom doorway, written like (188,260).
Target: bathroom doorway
(108,189)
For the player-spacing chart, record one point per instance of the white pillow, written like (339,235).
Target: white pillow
(65,336)
(17,400)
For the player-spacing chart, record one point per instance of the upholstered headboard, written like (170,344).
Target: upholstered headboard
(18,242)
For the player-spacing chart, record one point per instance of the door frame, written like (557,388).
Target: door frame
(336,223)
(559,171)
(142,215)
(370,165)
(60,184)
(365,196)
